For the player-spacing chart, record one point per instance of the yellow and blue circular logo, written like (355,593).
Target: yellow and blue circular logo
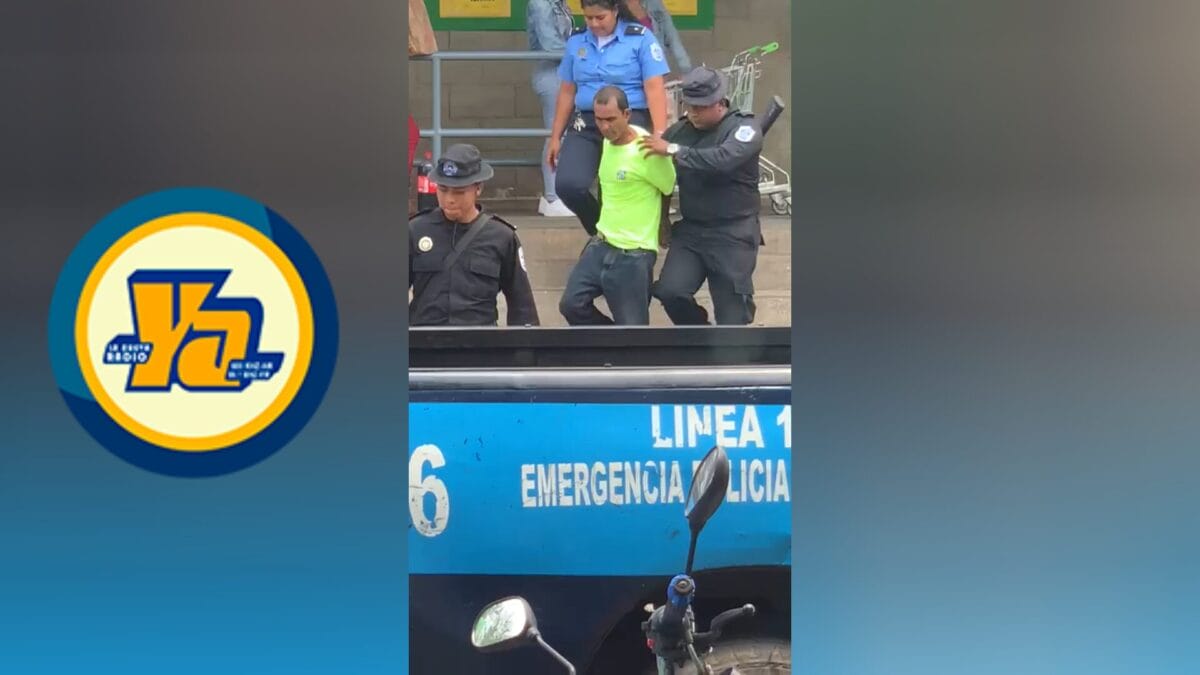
(193,332)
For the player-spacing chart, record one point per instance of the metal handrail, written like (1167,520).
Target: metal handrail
(438,132)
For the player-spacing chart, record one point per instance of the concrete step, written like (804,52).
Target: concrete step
(772,273)
(773,308)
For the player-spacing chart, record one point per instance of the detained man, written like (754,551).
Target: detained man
(618,261)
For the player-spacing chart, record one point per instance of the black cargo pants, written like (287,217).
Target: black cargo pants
(729,269)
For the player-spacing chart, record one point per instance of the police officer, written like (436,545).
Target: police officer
(715,150)
(613,49)
(460,258)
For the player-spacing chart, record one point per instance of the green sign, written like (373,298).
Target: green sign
(509,15)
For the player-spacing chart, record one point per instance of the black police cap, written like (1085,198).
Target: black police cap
(461,165)
(703,86)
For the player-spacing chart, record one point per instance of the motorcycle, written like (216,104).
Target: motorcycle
(671,629)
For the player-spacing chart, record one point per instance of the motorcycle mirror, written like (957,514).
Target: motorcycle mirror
(504,624)
(709,484)
(507,623)
(708,488)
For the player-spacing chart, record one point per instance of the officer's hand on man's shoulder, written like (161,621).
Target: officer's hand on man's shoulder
(653,145)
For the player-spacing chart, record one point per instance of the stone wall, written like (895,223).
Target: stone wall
(498,94)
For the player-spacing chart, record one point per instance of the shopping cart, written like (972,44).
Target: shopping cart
(740,75)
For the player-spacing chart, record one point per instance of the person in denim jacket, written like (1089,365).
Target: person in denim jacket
(653,14)
(548,25)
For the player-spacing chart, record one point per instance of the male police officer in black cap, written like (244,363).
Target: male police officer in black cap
(460,258)
(716,151)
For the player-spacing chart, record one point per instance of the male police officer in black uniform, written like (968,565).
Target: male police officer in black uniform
(716,151)
(460,258)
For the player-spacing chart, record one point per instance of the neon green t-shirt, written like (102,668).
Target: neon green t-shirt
(632,187)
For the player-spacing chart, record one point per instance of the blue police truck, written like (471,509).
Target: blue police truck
(553,464)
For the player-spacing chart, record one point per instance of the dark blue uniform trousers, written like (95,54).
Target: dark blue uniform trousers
(729,269)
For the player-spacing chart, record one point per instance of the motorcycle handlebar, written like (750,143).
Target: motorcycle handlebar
(719,622)
(673,615)
(679,598)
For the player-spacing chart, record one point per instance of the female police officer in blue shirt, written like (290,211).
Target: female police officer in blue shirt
(614,49)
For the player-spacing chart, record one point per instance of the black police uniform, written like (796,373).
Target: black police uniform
(493,261)
(466,294)
(719,232)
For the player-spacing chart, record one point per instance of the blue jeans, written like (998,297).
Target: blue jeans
(545,85)
(622,277)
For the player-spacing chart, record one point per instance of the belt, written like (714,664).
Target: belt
(600,238)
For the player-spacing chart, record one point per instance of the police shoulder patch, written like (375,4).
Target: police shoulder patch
(635,29)
(656,52)
(744,133)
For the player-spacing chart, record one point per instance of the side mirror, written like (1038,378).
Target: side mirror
(708,488)
(508,623)
(504,624)
(709,484)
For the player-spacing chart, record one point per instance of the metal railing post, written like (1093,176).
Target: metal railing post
(437,105)
(437,132)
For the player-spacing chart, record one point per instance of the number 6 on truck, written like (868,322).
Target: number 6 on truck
(419,486)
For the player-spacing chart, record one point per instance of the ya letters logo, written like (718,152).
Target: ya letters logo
(186,334)
(193,332)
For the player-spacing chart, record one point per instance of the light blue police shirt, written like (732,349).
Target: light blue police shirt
(633,57)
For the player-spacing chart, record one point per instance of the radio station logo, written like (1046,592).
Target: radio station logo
(193,332)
